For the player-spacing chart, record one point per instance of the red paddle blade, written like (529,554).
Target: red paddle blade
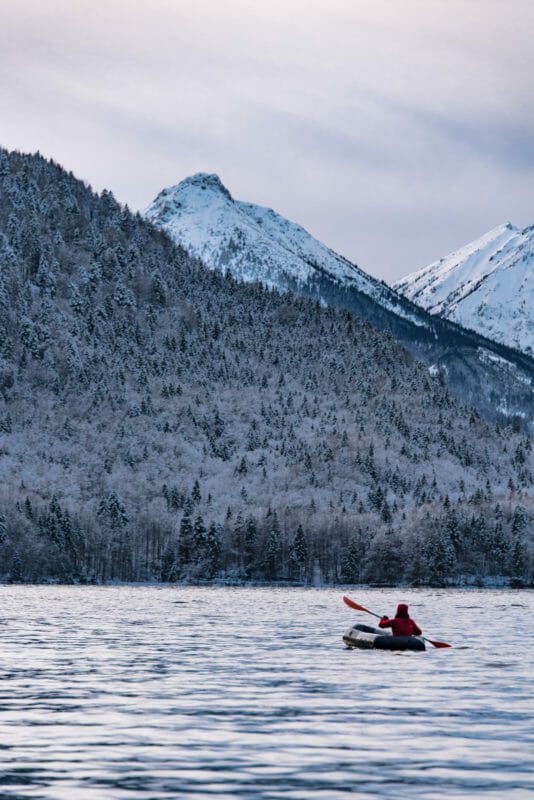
(439,644)
(352,604)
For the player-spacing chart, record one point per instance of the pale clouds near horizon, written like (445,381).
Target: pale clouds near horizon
(393,131)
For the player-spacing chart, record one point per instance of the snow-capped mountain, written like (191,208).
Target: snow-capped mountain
(486,286)
(255,243)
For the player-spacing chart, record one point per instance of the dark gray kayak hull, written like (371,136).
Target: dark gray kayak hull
(364,637)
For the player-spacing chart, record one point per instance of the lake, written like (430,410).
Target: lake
(178,692)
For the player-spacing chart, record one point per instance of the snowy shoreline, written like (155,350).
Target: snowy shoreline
(493,582)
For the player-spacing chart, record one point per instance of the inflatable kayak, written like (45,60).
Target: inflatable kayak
(367,638)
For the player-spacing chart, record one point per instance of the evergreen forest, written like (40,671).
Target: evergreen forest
(160,421)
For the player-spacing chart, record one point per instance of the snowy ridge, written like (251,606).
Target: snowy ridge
(487,286)
(254,243)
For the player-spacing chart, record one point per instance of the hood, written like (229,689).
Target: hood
(402,611)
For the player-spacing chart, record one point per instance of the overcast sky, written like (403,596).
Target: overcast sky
(393,130)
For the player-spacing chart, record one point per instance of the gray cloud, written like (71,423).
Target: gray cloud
(393,132)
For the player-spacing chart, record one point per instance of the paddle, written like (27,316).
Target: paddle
(352,604)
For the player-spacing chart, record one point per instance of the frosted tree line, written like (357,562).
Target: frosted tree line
(162,422)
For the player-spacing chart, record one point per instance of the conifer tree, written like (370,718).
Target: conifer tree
(298,554)
(213,550)
(199,537)
(185,540)
(3,529)
(273,549)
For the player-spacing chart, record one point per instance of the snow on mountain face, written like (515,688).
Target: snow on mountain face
(487,286)
(257,244)
(252,242)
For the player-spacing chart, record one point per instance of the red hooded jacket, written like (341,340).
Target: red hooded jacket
(402,625)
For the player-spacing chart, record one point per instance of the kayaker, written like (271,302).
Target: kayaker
(401,625)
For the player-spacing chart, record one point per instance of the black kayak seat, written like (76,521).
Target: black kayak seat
(365,628)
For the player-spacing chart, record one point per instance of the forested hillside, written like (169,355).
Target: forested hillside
(160,421)
(254,243)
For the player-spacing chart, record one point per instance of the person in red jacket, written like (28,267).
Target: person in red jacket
(401,625)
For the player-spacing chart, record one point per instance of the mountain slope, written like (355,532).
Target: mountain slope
(257,244)
(487,286)
(160,421)
(252,242)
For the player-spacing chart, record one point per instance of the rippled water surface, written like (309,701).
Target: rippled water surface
(148,692)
